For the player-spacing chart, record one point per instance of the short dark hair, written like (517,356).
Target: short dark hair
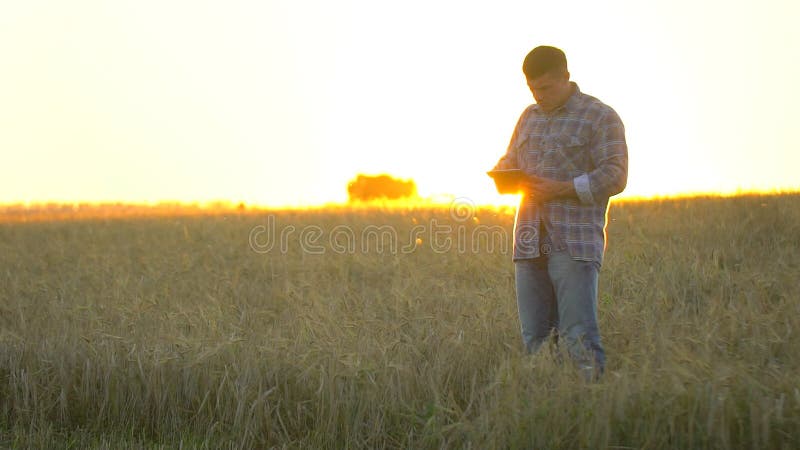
(543,59)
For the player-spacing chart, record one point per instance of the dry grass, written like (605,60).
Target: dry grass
(171,332)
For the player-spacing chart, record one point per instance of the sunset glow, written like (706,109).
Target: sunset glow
(280,103)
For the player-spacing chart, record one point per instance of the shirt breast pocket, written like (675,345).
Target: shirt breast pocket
(573,154)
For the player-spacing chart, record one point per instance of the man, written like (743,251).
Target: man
(572,148)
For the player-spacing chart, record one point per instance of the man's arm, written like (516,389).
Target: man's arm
(510,160)
(609,155)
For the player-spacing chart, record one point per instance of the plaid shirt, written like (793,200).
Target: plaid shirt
(583,141)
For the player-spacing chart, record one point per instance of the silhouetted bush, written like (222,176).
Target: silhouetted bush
(366,187)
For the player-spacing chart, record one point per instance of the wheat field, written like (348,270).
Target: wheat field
(377,327)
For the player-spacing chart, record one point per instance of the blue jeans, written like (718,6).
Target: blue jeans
(557,294)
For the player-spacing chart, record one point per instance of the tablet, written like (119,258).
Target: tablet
(506,173)
(507,181)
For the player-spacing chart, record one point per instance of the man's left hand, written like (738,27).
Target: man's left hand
(544,189)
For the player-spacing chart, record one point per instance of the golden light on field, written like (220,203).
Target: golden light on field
(177,333)
(280,103)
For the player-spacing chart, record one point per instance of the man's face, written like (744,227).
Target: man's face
(551,89)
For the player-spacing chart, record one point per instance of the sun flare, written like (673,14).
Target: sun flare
(282,103)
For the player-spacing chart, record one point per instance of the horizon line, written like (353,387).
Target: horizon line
(55,210)
(434,199)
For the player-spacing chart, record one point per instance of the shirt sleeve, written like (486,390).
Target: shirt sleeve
(609,155)
(510,160)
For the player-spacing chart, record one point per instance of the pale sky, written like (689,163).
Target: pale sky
(282,102)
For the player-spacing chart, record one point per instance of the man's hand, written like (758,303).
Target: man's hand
(544,189)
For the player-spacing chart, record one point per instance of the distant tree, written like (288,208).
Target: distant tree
(366,187)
